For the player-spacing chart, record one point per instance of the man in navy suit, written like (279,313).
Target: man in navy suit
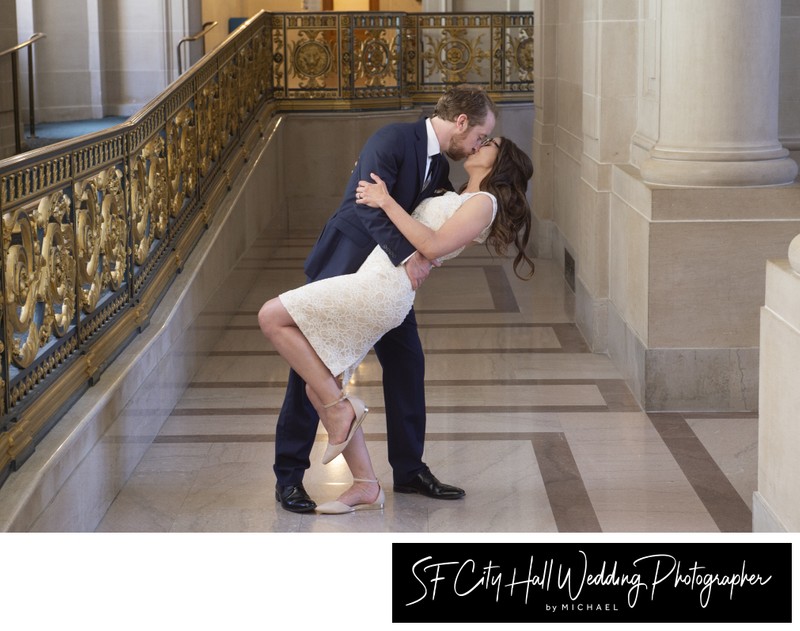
(408,157)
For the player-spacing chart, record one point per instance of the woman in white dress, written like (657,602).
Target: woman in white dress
(325,329)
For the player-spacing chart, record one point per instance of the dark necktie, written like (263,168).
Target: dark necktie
(433,174)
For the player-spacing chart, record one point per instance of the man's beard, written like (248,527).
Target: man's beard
(456,150)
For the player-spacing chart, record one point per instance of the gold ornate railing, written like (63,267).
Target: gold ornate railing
(94,230)
(345,60)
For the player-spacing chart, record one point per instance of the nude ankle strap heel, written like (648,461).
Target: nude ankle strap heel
(341,398)
(340,508)
(331,451)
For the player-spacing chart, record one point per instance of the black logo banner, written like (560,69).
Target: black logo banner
(573,582)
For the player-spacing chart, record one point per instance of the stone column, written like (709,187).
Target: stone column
(719,96)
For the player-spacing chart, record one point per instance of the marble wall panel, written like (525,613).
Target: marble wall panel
(570,11)
(591,122)
(618,10)
(616,127)
(6,88)
(609,88)
(591,317)
(617,64)
(63,96)
(546,98)
(325,147)
(782,295)
(627,352)
(753,204)
(592,265)
(567,211)
(778,465)
(323,150)
(570,107)
(546,58)
(543,155)
(596,174)
(126,91)
(629,265)
(592,74)
(133,14)
(701,379)
(706,281)
(66,45)
(790,8)
(132,49)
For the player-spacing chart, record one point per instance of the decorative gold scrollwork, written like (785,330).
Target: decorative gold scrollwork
(208,125)
(248,92)
(149,198)
(524,55)
(455,56)
(101,236)
(39,276)
(312,58)
(23,272)
(278,57)
(229,102)
(181,158)
(59,262)
(521,54)
(376,58)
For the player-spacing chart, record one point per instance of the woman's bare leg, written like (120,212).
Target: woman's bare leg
(279,327)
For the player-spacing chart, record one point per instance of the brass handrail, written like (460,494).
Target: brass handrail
(15,88)
(207,26)
(34,37)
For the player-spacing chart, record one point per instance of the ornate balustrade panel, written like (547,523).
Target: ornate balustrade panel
(378,60)
(494,50)
(337,60)
(101,220)
(94,230)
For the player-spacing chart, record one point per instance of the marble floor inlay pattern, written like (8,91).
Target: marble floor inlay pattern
(543,435)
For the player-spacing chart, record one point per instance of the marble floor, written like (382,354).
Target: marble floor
(542,434)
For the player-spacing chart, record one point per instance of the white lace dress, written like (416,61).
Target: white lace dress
(344,316)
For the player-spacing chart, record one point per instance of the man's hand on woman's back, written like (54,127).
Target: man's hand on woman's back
(418,268)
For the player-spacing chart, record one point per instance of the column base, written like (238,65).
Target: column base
(716,173)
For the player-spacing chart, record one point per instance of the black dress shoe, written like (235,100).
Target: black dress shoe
(425,483)
(293,497)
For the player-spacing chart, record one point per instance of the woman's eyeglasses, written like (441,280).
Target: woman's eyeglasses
(490,141)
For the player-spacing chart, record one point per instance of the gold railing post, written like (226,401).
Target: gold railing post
(15,99)
(31,115)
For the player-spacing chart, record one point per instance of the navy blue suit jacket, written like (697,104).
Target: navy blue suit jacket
(397,153)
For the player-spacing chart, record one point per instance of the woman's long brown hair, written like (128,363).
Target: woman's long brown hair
(508,182)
